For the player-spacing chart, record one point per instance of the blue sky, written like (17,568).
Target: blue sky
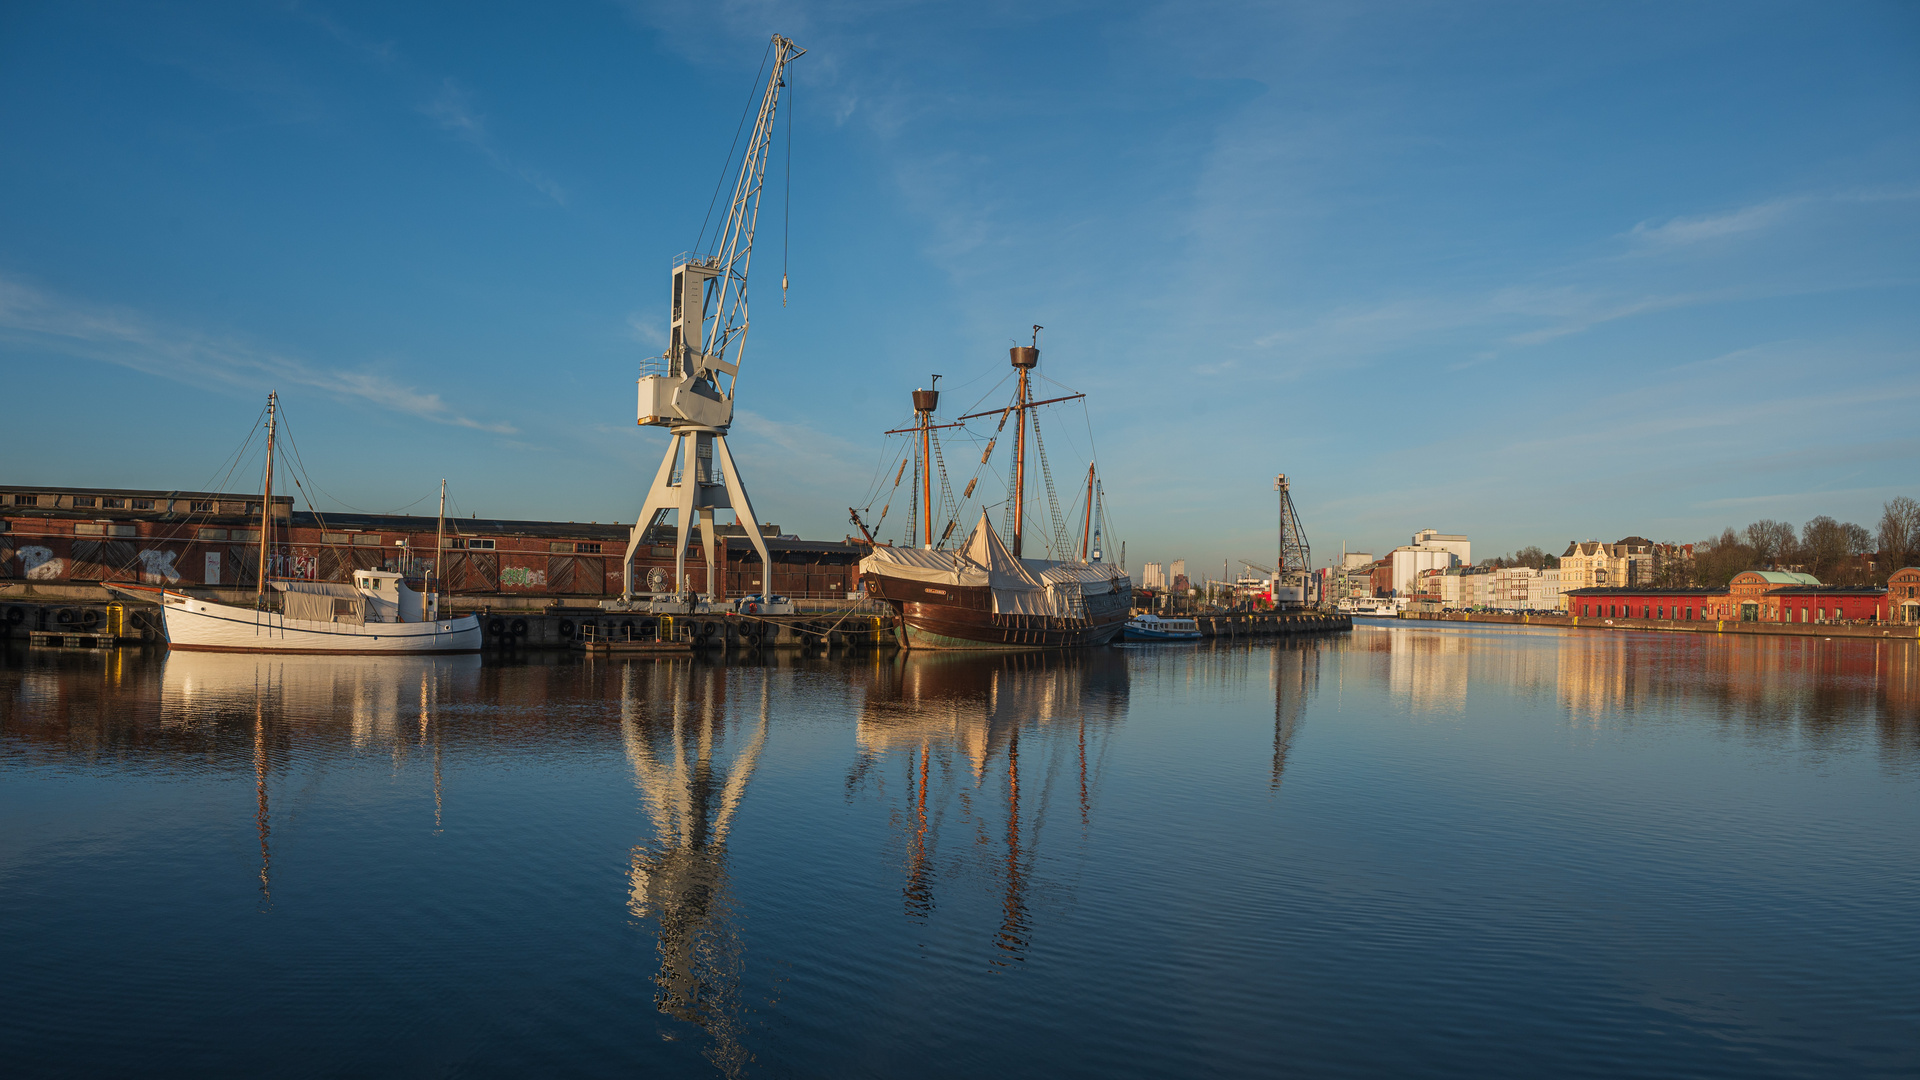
(1528,272)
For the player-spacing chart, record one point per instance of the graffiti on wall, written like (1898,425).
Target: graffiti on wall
(523,577)
(304,563)
(38,564)
(156,567)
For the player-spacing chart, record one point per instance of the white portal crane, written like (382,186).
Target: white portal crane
(690,389)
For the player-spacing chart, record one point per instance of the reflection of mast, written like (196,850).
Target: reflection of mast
(260,790)
(1013,926)
(680,879)
(919,890)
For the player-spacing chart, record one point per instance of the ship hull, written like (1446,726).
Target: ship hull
(195,625)
(960,618)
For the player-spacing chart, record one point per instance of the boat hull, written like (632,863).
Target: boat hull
(955,618)
(1134,633)
(195,625)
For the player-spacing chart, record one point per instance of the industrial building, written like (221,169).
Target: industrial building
(79,536)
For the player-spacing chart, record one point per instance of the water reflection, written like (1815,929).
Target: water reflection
(1817,687)
(214,694)
(953,724)
(1295,676)
(676,721)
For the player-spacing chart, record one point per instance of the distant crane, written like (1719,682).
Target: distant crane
(1296,558)
(1267,570)
(690,389)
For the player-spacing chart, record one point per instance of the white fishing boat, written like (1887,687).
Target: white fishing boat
(379,613)
(1154,628)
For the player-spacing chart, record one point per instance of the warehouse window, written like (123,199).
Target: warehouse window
(335,538)
(212,534)
(26,500)
(367,539)
(111,503)
(82,502)
(465,542)
(587,549)
(143,504)
(200,506)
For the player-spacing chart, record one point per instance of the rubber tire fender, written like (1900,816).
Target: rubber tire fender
(566,628)
(496,626)
(519,628)
(64,616)
(15,615)
(90,618)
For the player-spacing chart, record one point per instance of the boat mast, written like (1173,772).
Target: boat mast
(924,402)
(1086,534)
(439,552)
(1024,358)
(266,506)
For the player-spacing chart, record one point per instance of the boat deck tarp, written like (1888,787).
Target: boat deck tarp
(1020,586)
(318,601)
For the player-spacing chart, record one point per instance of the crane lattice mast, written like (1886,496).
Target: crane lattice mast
(690,389)
(1296,558)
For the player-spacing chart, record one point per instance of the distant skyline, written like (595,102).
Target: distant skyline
(1527,273)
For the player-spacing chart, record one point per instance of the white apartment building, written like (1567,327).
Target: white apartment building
(1153,576)
(1429,551)
(1459,545)
(1516,588)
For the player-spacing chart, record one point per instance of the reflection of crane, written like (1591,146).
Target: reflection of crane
(680,879)
(1296,676)
(690,390)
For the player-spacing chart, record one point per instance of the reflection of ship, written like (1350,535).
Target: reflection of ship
(986,595)
(675,724)
(956,722)
(271,694)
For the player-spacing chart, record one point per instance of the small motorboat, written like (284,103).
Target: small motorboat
(1155,628)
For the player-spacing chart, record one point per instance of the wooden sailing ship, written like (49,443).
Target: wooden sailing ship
(985,594)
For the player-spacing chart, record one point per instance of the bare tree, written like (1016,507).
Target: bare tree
(1715,561)
(1899,536)
(1823,543)
(1771,541)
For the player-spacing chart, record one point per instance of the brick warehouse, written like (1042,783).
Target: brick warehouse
(75,536)
(1752,596)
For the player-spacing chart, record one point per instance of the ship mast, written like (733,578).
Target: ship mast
(439,552)
(1086,533)
(924,403)
(1025,358)
(266,507)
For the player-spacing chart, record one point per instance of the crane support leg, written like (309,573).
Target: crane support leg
(743,513)
(694,497)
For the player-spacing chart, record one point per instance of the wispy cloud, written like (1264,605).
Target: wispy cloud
(645,328)
(453,110)
(1693,230)
(33,318)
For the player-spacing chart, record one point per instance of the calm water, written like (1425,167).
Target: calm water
(1413,851)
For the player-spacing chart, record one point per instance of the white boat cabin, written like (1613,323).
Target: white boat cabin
(389,599)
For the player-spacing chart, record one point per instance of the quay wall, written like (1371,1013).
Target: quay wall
(1876,632)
